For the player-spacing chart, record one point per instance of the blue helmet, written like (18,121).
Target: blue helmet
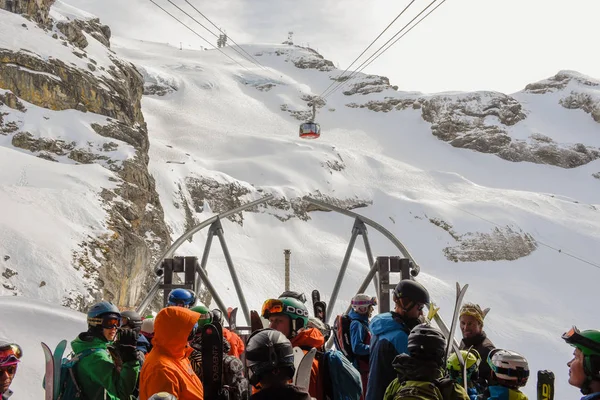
(94,315)
(182,297)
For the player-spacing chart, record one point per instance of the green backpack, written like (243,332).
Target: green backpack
(442,389)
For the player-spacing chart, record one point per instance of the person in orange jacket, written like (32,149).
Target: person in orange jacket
(167,367)
(290,317)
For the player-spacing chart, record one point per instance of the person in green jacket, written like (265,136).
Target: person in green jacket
(101,376)
(421,372)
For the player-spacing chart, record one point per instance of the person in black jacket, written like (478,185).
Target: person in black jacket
(471,326)
(270,363)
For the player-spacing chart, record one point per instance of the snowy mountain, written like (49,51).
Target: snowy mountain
(498,191)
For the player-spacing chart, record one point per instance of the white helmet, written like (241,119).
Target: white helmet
(361,303)
(509,366)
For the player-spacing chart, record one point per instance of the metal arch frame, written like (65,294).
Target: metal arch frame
(414,266)
(216,229)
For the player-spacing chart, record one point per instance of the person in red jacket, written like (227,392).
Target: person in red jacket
(167,367)
(290,317)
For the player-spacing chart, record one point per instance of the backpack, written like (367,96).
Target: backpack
(341,381)
(441,389)
(69,388)
(341,337)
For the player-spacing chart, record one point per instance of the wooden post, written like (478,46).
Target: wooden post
(287,253)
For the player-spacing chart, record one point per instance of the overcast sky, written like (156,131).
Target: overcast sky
(463,45)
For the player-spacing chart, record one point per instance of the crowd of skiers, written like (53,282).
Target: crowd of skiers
(398,354)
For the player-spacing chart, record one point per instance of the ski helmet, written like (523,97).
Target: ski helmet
(205,315)
(162,396)
(293,308)
(10,353)
(148,326)
(217,316)
(362,302)
(509,366)
(413,291)
(588,342)
(455,369)
(132,320)
(100,311)
(295,295)
(182,298)
(427,343)
(266,350)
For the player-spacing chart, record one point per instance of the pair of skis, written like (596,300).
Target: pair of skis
(303,364)
(319,307)
(53,362)
(212,361)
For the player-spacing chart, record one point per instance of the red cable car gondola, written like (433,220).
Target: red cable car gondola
(310,130)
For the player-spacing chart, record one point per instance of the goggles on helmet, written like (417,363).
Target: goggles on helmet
(370,302)
(574,337)
(10,354)
(272,306)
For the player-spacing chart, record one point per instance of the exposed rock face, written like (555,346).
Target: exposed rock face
(37,10)
(370,84)
(114,266)
(596,175)
(57,86)
(503,243)
(478,121)
(223,196)
(584,93)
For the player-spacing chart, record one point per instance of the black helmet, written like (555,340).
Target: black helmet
(411,290)
(295,295)
(266,350)
(131,320)
(427,343)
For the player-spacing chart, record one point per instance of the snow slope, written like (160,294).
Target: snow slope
(217,124)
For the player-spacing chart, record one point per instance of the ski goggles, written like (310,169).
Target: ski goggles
(10,354)
(574,337)
(272,306)
(519,373)
(111,322)
(371,302)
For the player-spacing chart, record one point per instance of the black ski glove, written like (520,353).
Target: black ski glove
(126,343)
(128,337)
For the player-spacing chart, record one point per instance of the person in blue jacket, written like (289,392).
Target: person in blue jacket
(360,336)
(389,335)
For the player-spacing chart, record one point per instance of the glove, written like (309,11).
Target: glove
(128,337)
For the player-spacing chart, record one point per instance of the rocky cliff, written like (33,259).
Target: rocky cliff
(65,64)
(486,121)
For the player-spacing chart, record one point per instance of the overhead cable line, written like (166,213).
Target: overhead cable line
(404,34)
(197,34)
(362,66)
(336,79)
(228,37)
(211,32)
(561,251)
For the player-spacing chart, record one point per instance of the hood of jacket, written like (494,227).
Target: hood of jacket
(311,337)
(172,327)
(86,340)
(388,322)
(361,317)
